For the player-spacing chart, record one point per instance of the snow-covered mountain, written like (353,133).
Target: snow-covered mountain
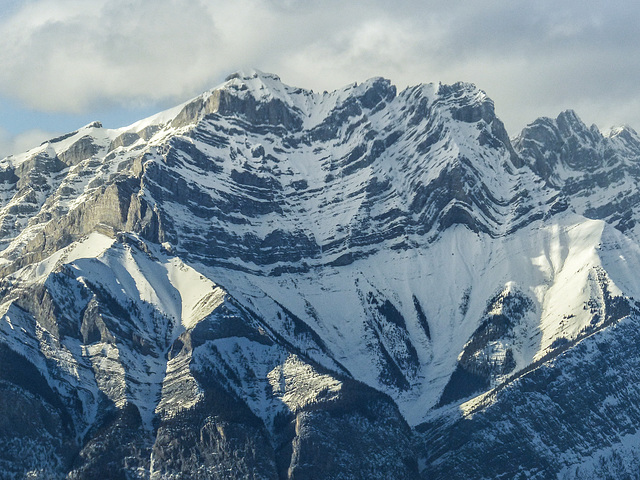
(267,282)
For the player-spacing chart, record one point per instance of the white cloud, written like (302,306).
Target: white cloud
(533,58)
(13,144)
(66,56)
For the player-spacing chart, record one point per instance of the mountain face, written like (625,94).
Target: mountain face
(267,282)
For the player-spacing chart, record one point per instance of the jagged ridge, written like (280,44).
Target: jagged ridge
(283,271)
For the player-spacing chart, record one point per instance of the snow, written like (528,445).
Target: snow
(452,273)
(621,454)
(164,284)
(297,384)
(199,295)
(93,245)
(551,262)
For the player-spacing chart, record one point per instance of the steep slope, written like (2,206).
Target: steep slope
(570,413)
(597,173)
(240,286)
(545,427)
(140,364)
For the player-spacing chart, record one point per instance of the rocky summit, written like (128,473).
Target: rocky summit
(271,283)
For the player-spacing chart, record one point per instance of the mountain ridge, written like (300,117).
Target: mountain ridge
(283,270)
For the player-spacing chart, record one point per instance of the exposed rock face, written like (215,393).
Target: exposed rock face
(266,282)
(572,418)
(488,356)
(597,173)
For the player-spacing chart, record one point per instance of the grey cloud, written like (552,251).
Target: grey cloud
(119,50)
(533,58)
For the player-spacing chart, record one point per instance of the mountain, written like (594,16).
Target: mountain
(267,282)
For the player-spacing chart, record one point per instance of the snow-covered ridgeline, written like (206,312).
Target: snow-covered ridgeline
(277,246)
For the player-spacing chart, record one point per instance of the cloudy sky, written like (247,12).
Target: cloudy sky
(65,63)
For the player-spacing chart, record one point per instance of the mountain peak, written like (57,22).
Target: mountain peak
(259,84)
(624,132)
(561,148)
(251,74)
(569,123)
(570,116)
